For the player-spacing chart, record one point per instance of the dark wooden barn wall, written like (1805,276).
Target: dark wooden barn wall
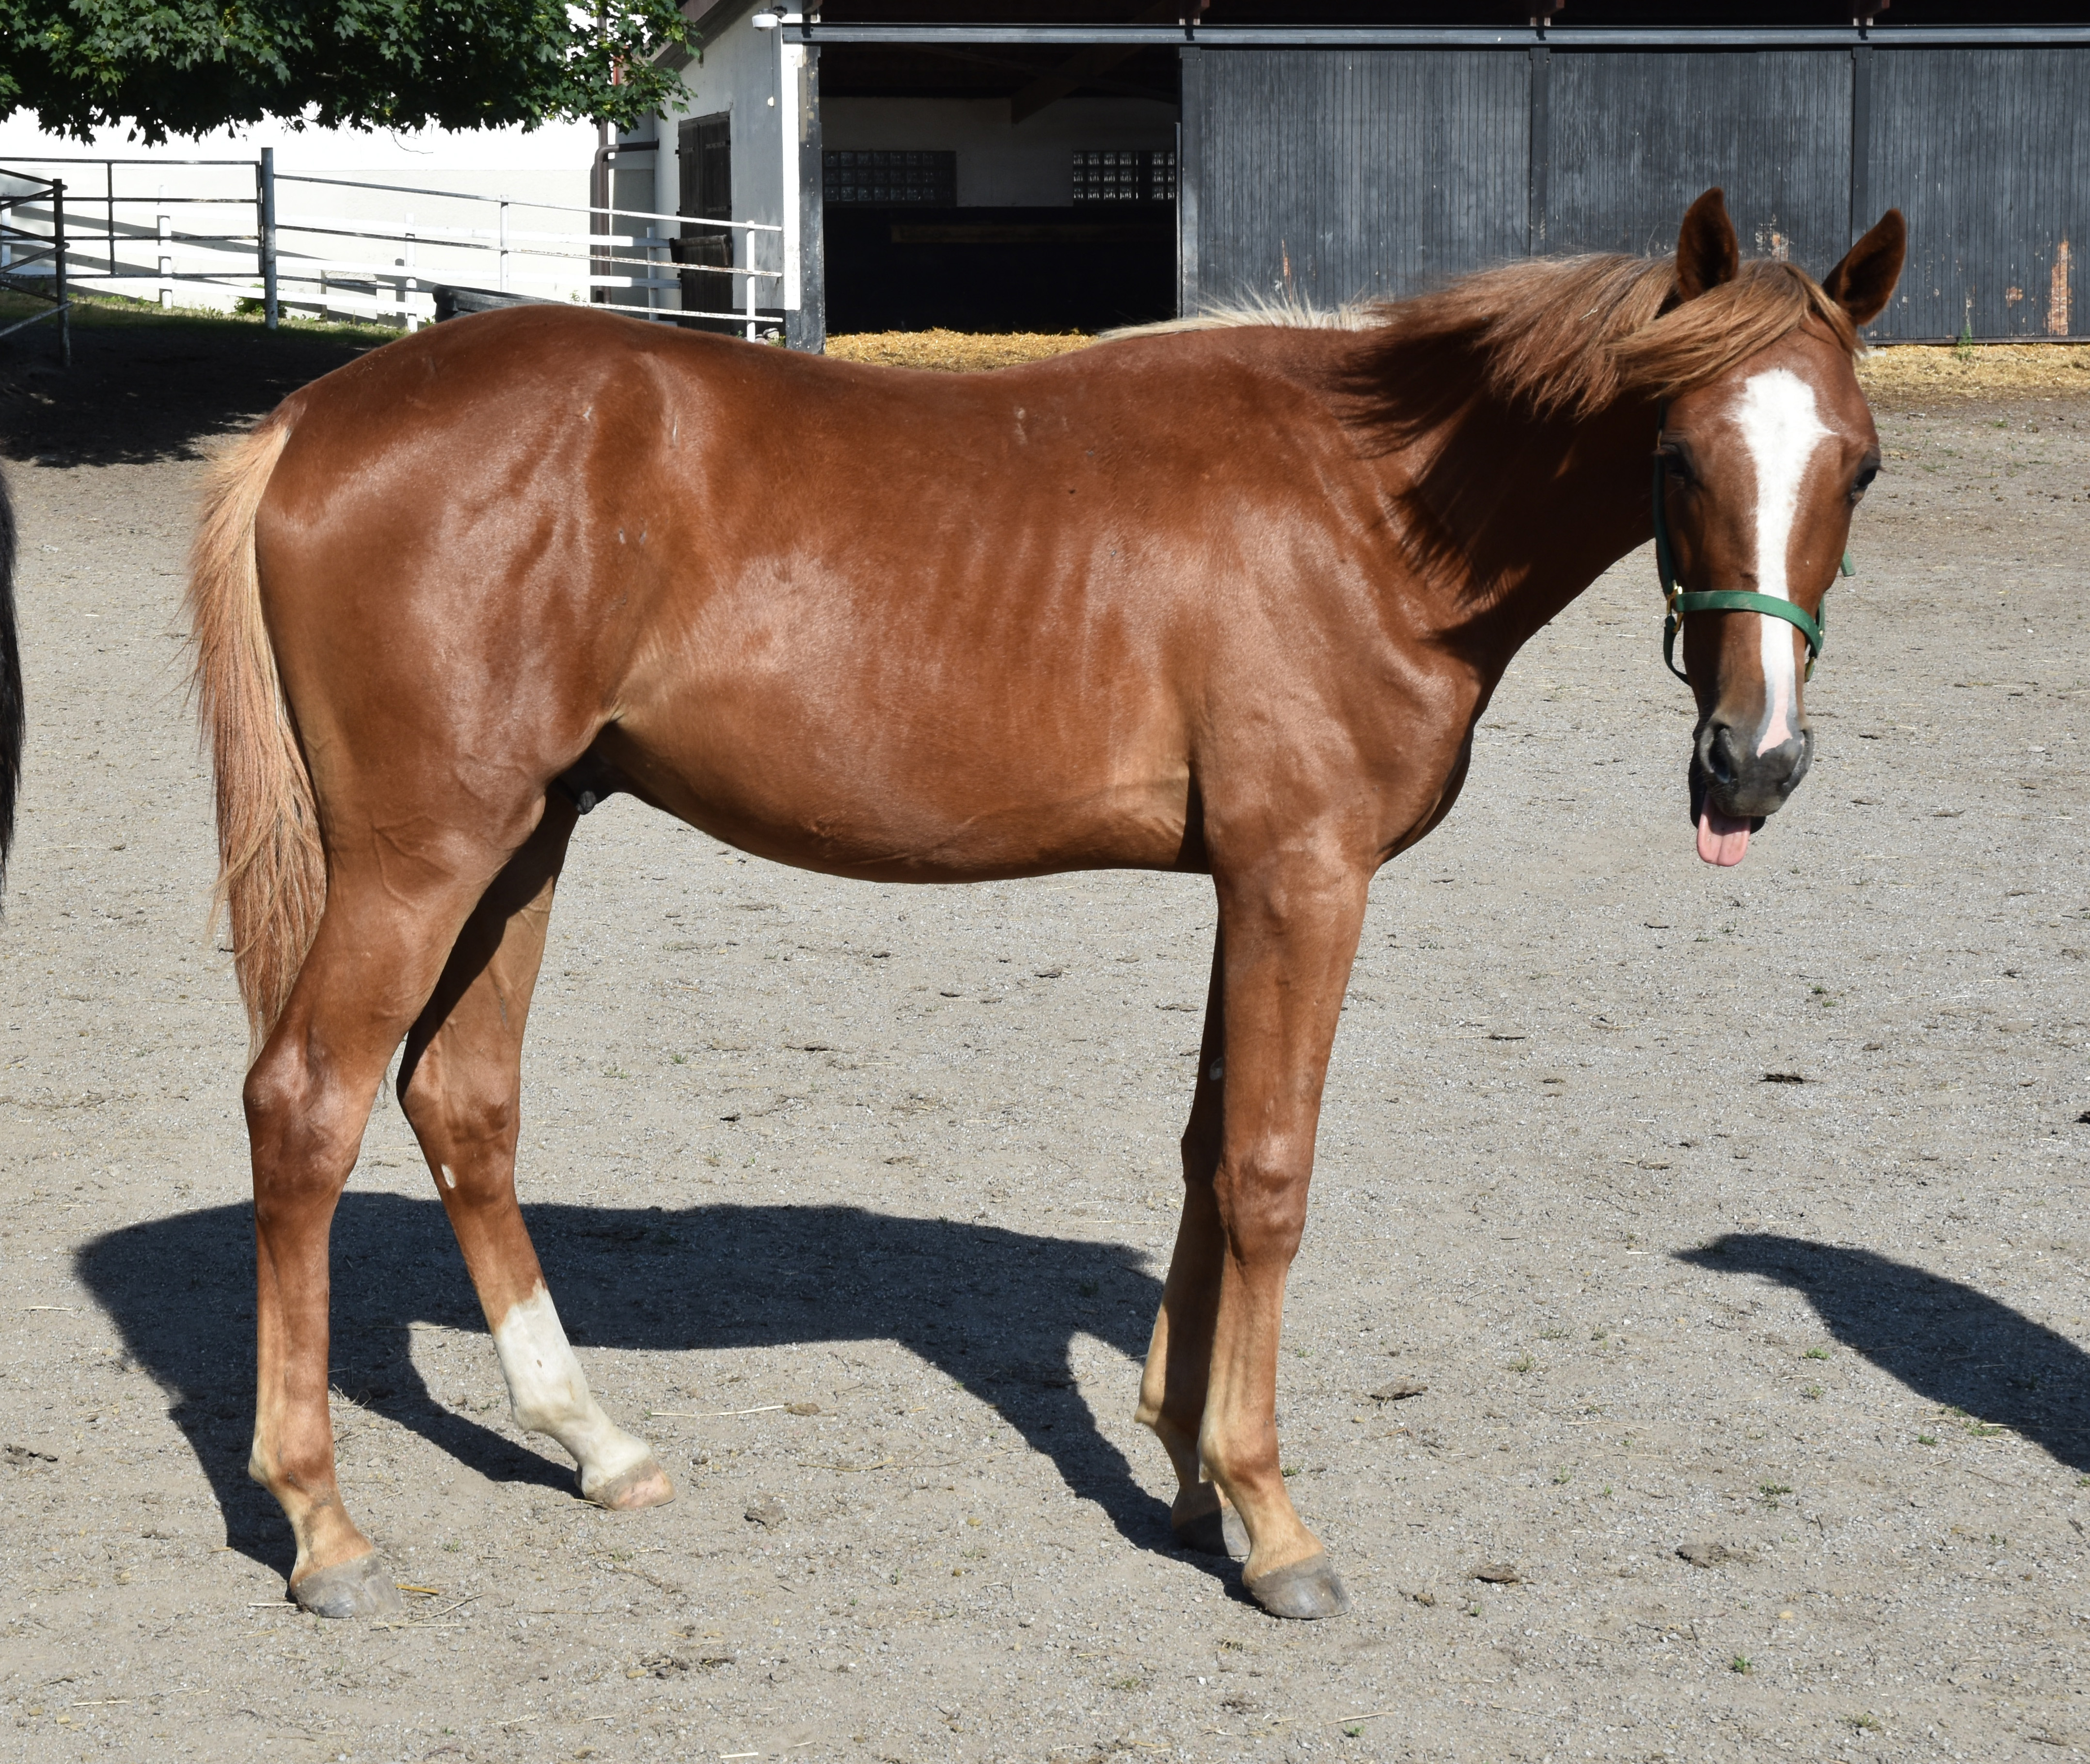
(1333,175)
(1636,137)
(1987,151)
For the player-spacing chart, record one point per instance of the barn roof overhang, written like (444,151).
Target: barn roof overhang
(808,29)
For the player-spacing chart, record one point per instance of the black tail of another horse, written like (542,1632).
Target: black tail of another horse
(13,723)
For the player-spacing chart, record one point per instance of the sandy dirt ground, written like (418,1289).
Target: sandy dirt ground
(1736,1222)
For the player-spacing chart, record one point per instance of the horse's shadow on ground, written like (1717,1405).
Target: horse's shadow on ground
(1947,1341)
(996,1310)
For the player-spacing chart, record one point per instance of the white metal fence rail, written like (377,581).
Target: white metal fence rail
(33,255)
(339,252)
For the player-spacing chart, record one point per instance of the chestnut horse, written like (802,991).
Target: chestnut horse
(1228,600)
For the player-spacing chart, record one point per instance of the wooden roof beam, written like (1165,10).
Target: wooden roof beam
(1083,68)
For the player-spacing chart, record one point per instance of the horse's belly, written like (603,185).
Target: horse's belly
(872,804)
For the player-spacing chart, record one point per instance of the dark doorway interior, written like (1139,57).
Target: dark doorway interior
(999,269)
(705,168)
(902,254)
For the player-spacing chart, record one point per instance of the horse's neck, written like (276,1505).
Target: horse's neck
(1561,504)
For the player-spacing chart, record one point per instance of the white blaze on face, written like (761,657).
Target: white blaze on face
(549,1393)
(1776,415)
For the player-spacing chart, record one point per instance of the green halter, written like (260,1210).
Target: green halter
(1723,600)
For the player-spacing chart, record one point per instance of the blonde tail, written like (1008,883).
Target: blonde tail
(271,869)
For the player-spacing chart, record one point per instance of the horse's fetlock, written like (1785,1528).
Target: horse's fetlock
(538,1417)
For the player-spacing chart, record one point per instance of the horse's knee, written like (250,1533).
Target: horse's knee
(1262,1200)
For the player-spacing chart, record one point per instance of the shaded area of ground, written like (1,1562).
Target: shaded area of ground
(147,385)
(995,1309)
(1946,1341)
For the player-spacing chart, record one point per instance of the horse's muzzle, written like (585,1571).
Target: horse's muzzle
(1730,777)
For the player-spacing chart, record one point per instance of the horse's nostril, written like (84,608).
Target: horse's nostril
(1720,756)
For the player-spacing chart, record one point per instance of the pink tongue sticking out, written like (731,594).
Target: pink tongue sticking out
(1722,838)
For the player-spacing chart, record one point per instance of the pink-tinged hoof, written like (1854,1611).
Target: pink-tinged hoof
(1220,1533)
(645,1484)
(358,1589)
(1305,1590)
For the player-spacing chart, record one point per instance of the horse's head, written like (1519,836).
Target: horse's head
(1759,468)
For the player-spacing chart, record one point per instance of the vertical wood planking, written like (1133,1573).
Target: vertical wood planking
(1333,175)
(1638,136)
(1326,175)
(1190,138)
(1861,141)
(1987,152)
(1541,137)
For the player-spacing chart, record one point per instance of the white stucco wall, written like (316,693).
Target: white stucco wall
(736,76)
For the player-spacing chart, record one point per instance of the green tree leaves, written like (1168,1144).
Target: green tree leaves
(185,66)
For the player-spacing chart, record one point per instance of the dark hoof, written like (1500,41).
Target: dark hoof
(1306,1590)
(358,1589)
(1215,1533)
(645,1484)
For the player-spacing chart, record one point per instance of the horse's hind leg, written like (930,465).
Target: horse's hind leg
(460,1082)
(379,949)
(1179,1358)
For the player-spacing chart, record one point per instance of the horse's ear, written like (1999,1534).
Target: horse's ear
(1862,283)
(1706,253)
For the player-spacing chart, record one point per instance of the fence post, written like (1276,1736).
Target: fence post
(109,189)
(166,256)
(265,186)
(58,258)
(748,263)
(503,283)
(407,284)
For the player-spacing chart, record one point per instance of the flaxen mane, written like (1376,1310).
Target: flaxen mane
(1549,342)
(1563,337)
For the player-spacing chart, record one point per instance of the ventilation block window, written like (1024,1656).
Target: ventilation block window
(920,177)
(1125,176)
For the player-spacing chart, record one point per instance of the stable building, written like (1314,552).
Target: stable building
(1055,167)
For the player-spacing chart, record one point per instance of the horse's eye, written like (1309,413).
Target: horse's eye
(1863,481)
(1677,466)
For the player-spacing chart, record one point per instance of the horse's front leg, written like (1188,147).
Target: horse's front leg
(1288,933)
